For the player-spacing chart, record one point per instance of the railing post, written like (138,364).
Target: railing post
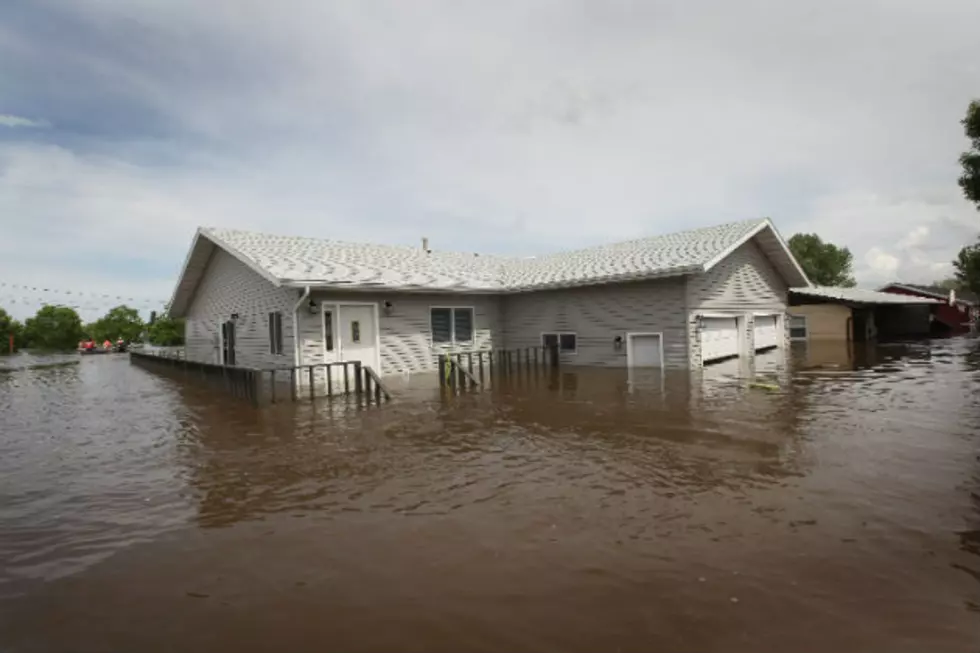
(346,380)
(328,370)
(377,393)
(273,385)
(480,361)
(293,390)
(358,380)
(442,370)
(312,385)
(554,356)
(367,385)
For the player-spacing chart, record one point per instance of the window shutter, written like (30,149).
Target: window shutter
(272,333)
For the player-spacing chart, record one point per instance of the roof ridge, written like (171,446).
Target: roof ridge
(538,257)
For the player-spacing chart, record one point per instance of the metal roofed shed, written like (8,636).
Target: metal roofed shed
(857,314)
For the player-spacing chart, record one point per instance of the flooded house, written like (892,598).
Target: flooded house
(821,313)
(679,300)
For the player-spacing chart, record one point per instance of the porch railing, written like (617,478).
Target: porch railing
(258,386)
(473,368)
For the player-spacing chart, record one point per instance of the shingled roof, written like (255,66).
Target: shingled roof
(299,262)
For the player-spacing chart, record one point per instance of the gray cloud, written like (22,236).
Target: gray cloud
(512,126)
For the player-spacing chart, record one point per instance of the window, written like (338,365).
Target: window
(567,342)
(797,327)
(275,332)
(355,331)
(328,329)
(451,325)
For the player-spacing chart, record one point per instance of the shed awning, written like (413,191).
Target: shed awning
(860,296)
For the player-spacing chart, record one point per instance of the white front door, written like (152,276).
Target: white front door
(719,338)
(765,334)
(644,350)
(357,335)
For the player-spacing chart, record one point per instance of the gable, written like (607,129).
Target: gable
(745,278)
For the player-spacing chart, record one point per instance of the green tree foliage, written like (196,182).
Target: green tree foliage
(10,327)
(824,263)
(120,322)
(165,331)
(967,266)
(970,160)
(54,327)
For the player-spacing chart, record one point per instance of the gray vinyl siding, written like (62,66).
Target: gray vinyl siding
(406,338)
(743,284)
(229,286)
(597,314)
(405,332)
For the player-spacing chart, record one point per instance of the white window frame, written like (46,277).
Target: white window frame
(559,334)
(806,325)
(452,326)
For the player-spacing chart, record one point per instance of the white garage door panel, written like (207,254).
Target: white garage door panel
(765,332)
(719,338)
(645,351)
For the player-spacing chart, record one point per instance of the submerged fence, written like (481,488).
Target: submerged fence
(473,368)
(260,386)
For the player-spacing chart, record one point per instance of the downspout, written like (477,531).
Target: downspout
(297,357)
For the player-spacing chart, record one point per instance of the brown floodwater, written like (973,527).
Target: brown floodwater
(590,511)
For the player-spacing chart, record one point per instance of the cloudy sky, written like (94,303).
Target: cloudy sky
(510,127)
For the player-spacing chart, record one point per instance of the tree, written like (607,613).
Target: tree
(970,160)
(824,263)
(967,266)
(120,322)
(165,331)
(54,327)
(10,327)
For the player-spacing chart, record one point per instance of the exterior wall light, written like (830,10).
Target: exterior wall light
(389,307)
(618,342)
(313,306)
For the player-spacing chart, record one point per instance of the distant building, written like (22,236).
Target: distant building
(955,313)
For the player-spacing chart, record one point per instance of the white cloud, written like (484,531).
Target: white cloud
(8,120)
(881,263)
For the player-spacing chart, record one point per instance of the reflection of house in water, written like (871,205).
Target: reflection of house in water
(702,418)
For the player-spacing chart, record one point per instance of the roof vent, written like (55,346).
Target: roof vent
(952,296)
(425,245)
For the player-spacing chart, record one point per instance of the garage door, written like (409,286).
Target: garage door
(644,350)
(719,338)
(765,332)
